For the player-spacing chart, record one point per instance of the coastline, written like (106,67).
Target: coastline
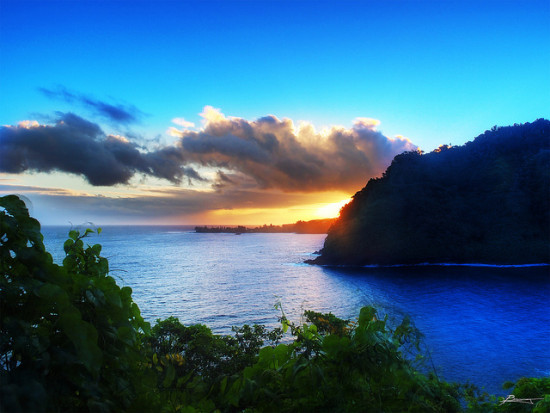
(428,264)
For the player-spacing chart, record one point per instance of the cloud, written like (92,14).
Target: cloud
(183,122)
(276,154)
(268,153)
(114,113)
(27,124)
(77,146)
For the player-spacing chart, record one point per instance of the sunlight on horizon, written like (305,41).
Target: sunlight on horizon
(260,216)
(275,216)
(331,210)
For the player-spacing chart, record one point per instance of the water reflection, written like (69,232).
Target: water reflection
(478,322)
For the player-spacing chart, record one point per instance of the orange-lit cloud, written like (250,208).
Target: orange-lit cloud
(276,154)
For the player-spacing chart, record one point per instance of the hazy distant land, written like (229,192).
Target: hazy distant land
(316,226)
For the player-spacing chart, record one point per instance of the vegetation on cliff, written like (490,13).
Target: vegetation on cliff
(72,340)
(487,201)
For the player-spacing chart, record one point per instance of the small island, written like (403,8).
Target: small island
(487,201)
(316,226)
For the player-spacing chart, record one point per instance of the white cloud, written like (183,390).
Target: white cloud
(211,114)
(28,124)
(182,122)
(276,154)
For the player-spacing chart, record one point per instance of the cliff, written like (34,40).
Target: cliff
(487,201)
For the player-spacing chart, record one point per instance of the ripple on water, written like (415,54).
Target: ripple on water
(481,324)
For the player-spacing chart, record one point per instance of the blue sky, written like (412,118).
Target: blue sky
(433,72)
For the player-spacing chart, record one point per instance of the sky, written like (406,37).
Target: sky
(248,112)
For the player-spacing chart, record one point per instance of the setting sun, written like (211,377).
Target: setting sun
(331,210)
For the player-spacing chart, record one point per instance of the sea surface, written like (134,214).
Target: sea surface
(483,325)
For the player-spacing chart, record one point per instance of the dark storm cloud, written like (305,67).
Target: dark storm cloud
(278,155)
(114,113)
(80,147)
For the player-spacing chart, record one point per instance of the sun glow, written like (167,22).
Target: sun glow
(254,216)
(331,210)
(275,216)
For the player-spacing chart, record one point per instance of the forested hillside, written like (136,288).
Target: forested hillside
(487,201)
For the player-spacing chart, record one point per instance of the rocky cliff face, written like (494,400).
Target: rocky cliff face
(487,201)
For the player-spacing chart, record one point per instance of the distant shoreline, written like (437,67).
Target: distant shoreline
(318,226)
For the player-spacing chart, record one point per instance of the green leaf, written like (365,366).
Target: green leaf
(91,298)
(223,385)
(135,311)
(126,292)
(113,298)
(84,337)
(126,335)
(280,353)
(170,375)
(14,206)
(366,315)
(52,293)
(332,344)
(103,266)
(96,249)
(285,324)
(68,245)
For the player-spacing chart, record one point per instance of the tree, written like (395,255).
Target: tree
(69,335)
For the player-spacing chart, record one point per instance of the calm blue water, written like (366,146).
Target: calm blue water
(483,325)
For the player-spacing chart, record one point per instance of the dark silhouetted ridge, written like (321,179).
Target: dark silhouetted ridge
(487,201)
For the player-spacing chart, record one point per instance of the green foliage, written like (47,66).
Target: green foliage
(528,395)
(328,323)
(359,367)
(486,201)
(195,350)
(194,366)
(69,334)
(72,340)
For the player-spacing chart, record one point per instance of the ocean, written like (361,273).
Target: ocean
(481,324)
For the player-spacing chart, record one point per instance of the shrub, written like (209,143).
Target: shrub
(70,336)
